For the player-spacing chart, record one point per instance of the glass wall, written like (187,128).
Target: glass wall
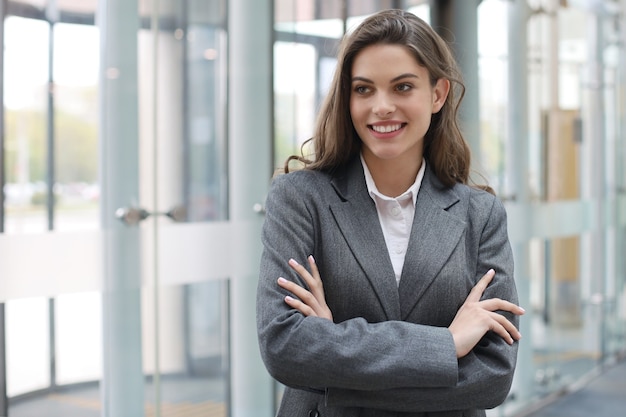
(183,166)
(58,309)
(90,113)
(50,184)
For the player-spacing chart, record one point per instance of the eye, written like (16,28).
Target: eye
(404,87)
(361,89)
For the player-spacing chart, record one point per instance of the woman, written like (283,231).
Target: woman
(407,305)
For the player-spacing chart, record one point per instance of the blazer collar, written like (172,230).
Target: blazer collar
(357,218)
(434,235)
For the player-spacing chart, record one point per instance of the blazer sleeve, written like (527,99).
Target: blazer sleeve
(315,353)
(485,375)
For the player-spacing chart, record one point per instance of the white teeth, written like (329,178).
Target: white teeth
(386,129)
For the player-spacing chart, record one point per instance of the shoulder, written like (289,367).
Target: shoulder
(302,179)
(481,204)
(303,187)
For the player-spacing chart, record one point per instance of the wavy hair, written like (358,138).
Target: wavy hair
(335,140)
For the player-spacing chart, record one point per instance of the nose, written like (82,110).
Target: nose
(383,105)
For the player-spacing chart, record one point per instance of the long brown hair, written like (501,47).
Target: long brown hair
(335,141)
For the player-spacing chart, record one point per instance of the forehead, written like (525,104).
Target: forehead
(386,58)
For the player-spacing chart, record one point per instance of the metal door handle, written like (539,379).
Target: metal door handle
(131,216)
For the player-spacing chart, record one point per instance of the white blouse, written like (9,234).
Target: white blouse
(396,216)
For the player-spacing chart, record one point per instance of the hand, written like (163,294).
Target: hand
(310,302)
(475,318)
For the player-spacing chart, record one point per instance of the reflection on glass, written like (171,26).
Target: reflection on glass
(205,139)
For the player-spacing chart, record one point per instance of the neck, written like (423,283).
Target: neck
(393,179)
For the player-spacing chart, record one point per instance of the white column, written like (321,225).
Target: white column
(122,388)
(518,168)
(250,145)
(593,183)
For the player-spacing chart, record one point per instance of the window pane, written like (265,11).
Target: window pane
(27,347)
(78,328)
(25,88)
(76,130)
(295,94)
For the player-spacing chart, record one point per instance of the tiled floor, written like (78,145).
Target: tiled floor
(181,397)
(603,396)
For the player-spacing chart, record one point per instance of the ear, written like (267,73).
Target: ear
(440,94)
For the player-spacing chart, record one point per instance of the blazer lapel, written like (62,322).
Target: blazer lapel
(357,218)
(434,235)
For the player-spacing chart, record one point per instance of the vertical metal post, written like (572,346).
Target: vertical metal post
(186,125)
(250,24)
(518,167)
(156,374)
(593,179)
(122,387)
(4,403)
(620,183)
(52,17)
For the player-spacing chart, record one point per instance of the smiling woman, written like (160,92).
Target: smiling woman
(385,219)
(391,108)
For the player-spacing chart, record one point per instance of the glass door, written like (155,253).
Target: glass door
(182,160)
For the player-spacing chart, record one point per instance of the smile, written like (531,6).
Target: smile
(387,128)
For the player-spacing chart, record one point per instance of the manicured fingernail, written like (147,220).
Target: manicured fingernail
(522,308)
(293,262)
(288,298)
(281,280)
(311,258)
(491,271)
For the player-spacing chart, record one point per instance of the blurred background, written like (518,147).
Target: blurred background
(137,142)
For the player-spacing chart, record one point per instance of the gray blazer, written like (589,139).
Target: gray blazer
(388,352)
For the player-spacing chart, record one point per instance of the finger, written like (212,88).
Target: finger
(480,286)
(302,293)
(317,286)
(495,304)
(303,272)
(300,306)
(505,329)
(314,271)
(314,307)
(312,279)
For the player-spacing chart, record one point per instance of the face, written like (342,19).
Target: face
(391,103)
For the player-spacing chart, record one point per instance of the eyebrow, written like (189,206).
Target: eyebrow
(393,80)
